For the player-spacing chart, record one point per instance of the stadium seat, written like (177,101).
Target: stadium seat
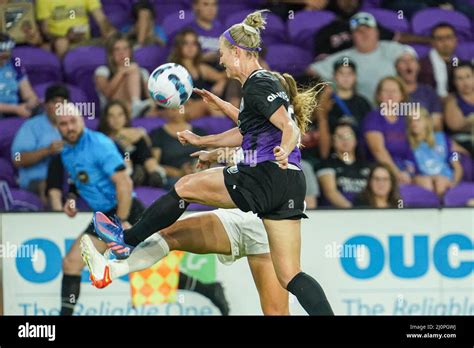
(149,123)
(147,195)
(304,26)
(421,50)
(415,196)
(467,164)
(76,94)
(7,172)
(465,50)
(150,57)
(459,195)
(288,58)
(390,20)
(9,127)
(227,8)
(13,199)
(41,66)
(165,8)
(275,31)
(424,20)
(368,4)
(79,67)
(176,21)
(213,124)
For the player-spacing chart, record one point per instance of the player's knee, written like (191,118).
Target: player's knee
(274,308)
(183,187)
(286,276)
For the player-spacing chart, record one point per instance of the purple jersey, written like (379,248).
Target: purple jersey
(262,95)
(209,39)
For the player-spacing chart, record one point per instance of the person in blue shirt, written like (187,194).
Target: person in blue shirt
(17,97)
(36,142)
(99,176)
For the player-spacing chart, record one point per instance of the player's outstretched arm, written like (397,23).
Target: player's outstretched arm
(213,100)
(230,138)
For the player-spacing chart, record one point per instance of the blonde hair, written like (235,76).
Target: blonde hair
(304,101)
(247,33)
(429,130)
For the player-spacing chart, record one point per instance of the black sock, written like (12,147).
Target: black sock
(70,289)
(309,294)
(162,213)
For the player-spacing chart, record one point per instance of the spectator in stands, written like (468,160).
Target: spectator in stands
(436,69)
(385,129)
(382,189)
(37,141)
(17,97)
(343,175)
(407,69)
(122,78)
(374,59)
(340,104)
(144,31)
(437,168)
(336,36)
(167,149)
(66,23)
(208,29)
(187,52)
(459,109)
(134,145)
(410,7)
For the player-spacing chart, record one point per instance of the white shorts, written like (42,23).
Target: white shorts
(246,233)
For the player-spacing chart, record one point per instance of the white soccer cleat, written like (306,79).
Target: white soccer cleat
(96,262)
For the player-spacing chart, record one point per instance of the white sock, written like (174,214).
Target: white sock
(145,255)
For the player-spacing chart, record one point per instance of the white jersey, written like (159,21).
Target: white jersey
(246,233)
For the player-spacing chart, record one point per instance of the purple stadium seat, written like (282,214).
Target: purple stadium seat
(41,66)
(200,207)
(368,4)
(305,24)
(414,196)
(390,20)
(213,124)
(8,127)
(79,67)
(176,21)
(12,199)
(147,195)
(465,50)
(7,172)
(421,50)
(76,94)
(424,20)
(275,30)
(459,195)
(92,123)
(150,57)
(288,58)
(149,123)
(165,8)
(227,8)
(467,164)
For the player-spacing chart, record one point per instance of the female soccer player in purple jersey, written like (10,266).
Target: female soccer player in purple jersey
(269,181)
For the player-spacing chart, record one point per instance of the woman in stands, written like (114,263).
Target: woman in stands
(437,167)
(382,189)
(187,52)
(269,181)
(122,78)
(133,143)
(459,109)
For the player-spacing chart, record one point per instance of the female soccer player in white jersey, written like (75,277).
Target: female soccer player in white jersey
(269,181)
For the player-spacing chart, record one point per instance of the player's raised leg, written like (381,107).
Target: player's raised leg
(273,298)
(72,268)
(284,237)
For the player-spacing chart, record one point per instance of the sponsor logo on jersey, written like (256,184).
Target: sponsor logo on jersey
(281,95)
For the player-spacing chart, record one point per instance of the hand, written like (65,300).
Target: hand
(23,110)
(404,178)
(281,156)
(204,159)
(188,137)
(55,147)
(211,99)
(70,207)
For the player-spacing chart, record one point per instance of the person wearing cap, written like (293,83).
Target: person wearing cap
(17,97)
(408,68)
(341,104)
(37,141)
(374,58)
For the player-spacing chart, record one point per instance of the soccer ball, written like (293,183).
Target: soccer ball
(170,85)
